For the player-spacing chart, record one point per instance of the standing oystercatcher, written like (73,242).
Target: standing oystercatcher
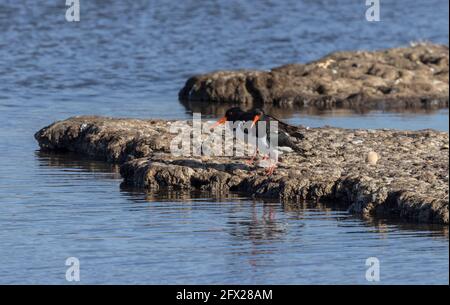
(285,135)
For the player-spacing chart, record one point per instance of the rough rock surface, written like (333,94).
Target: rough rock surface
(409,180)
(400,78)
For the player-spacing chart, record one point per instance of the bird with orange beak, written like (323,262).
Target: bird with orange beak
(285,133)
(233,115)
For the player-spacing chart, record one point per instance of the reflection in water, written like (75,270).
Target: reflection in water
(263,224)
(385,226)
(72,160)
(213,109)
(76,207)
(261,227)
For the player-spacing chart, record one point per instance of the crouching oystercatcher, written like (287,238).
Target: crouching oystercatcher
(286,135)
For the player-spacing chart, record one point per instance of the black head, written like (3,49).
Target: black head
(257,112)
(234,114)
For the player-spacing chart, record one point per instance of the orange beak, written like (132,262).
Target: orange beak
(255,119)
(219,122)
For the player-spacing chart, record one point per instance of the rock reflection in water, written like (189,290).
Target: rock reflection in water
(290,111)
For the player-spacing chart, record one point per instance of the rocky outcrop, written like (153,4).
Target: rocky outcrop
(373,172)
(400,78)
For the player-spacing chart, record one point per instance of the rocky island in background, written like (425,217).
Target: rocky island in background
(414,77)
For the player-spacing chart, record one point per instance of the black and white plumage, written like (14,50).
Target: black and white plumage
(286,134)
(269,141)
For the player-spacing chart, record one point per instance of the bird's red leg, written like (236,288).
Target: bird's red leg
(250,162)
(271,169)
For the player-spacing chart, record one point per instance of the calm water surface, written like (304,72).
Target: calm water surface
(129,59)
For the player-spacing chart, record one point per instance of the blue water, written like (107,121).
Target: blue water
(129,59)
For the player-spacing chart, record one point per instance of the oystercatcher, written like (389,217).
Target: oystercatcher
(239,118)
(285,135)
